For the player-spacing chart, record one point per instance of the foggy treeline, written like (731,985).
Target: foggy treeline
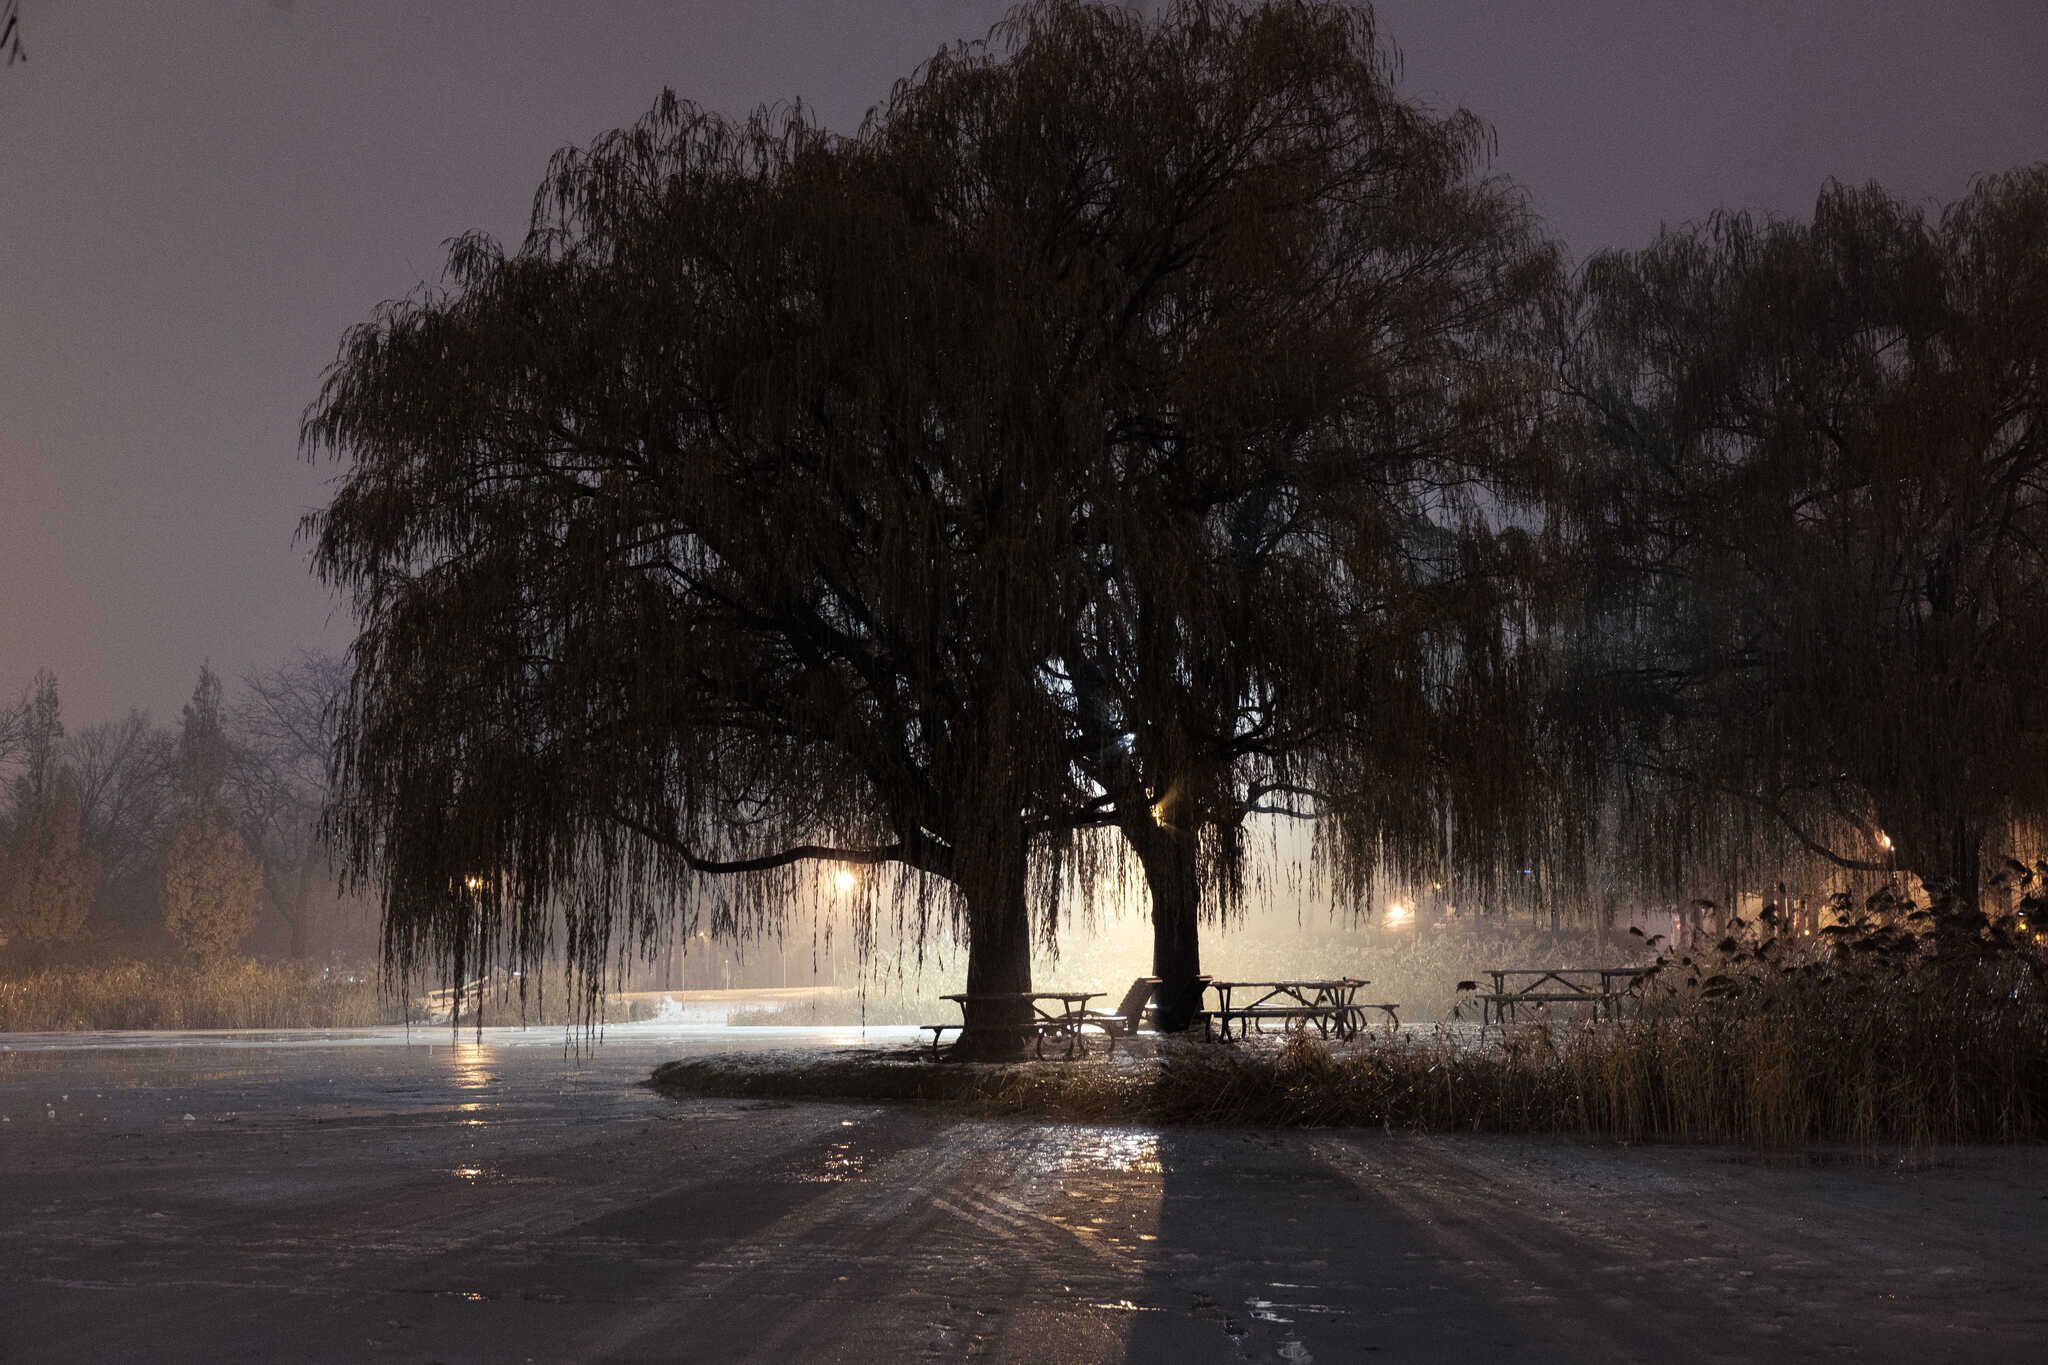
(198,839)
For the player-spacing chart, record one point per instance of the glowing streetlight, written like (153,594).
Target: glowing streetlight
(1399,912)
(474,883)
(845,881)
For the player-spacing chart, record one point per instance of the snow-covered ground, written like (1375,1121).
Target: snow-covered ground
(379,1195)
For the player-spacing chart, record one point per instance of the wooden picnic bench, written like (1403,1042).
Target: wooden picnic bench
(1058,1015)
(1331,1006)
(1604,988)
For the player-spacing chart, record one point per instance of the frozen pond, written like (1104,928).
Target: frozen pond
(668,1039)
(375,1195)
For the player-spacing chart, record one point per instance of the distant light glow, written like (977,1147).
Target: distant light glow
(1884,841)
(473,883)
(845,880)
(1399,912)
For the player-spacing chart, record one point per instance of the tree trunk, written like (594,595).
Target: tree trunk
(1946,854)
(1173,878)
(302,894)
(998,960)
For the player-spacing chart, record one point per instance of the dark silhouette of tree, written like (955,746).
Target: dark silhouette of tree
(707,539)
(1817,506)
(13,722)
(38,742)
(1073,446)
(1286,320)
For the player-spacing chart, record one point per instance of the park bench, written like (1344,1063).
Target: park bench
(1603,988)
(1056,1015)
(1130,1013)
(1332,1007)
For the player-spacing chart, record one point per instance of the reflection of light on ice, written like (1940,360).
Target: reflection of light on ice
(466,1066)
(1114,1149)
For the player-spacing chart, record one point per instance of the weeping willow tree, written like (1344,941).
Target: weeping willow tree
(713,538)
(1105,435)
(1281,310)
(1816,503)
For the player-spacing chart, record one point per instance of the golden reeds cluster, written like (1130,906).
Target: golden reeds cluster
(231,993)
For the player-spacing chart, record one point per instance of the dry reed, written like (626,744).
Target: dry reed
(239,993)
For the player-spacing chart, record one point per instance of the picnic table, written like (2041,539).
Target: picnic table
(1604,988)
(1058,1015)
(1332,1006)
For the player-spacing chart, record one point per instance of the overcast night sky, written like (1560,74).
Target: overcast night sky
(199,198)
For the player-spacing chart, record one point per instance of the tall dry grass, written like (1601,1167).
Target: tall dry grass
(151,995)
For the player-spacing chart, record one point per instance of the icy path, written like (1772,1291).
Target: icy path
(362,1197)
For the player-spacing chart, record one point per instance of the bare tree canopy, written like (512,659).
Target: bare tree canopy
(1817,497)
(286,725)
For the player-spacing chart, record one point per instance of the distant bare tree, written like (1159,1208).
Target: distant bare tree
(124,770)
(13,727)
(286,726)
(38,744)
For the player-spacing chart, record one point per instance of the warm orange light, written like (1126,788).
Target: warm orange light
(473,883)
(845,880)
(1399,912)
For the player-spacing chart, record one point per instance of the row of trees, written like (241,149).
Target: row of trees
(1133,429)
(124,825)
